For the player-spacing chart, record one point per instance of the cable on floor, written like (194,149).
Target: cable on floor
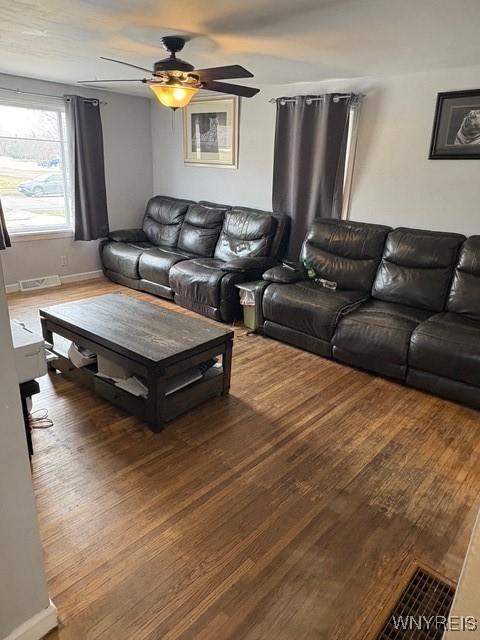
(39,419)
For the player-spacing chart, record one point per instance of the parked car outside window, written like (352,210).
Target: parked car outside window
(51,185)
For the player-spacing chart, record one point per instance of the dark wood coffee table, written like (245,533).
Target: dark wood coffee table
(150,342)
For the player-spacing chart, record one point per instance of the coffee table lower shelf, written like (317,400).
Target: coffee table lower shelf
(172,405)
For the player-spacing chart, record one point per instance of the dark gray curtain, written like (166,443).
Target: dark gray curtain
(4,237)
(309,161)
(84,129)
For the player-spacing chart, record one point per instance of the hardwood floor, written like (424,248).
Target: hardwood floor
(289,510)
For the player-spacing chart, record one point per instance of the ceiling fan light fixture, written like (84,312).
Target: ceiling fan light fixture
(173,94)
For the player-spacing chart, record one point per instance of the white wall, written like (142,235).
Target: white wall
(23,589)
(128,176)
(394,182)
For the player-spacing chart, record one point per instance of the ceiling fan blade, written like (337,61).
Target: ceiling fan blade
(222,73)
(119,80)
(233,89)
(134,66)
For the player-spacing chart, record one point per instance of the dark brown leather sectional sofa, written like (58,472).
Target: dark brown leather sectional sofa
(402,303)
(195,253)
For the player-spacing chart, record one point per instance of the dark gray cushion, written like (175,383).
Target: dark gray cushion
(308,307)
(155,265)
(200,230)
(448,345)
(344,252)
(122,258)
(163,220)
(416,268)
(199,280)
(464,296)
(245,234)
(379,331)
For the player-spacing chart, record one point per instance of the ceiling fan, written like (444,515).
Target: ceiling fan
(174,81)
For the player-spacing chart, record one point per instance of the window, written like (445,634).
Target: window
(34,185)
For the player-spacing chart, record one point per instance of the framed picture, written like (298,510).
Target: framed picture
(210,132)
(456,128)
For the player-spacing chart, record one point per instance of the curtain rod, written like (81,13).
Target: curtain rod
(45,95)
(310,99)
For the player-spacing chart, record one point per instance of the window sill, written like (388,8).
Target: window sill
(50,234)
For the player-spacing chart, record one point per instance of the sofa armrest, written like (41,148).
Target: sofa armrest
(285,275)
(250,266)
(128,235)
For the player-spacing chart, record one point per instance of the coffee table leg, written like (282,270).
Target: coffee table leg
(156,397)
(47,334)
(227,367)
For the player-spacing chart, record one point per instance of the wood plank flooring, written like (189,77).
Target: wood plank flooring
(289,510)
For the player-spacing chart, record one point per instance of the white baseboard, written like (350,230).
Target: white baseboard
(38,626)
(78,277)
(73,277)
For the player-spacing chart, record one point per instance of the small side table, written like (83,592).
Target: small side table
(27,390)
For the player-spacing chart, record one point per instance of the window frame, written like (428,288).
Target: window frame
(350,154)
(66,229)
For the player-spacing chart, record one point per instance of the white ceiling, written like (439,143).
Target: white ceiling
(280,41)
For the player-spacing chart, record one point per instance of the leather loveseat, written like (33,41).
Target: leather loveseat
(194,253)
(402,303)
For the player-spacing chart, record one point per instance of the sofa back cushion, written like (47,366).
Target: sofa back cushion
(163,219)
(245,233)
(416,268)
(200,230)
(279,241)
(344,252)
(464,296)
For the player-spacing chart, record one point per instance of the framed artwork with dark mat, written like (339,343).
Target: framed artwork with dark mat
(456,128)
(210,132)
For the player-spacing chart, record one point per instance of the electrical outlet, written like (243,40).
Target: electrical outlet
(63,261)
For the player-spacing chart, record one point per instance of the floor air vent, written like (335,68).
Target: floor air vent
(40,283)
(421,613)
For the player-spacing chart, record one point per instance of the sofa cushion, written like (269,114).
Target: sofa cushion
(244,234)
(308,307)
(378,332)
(416,268)
(163,219)
(344,252)
(198,279)
(464,296)
(122,258)
(155,265)
(448,345)
(200,230)
(279,240)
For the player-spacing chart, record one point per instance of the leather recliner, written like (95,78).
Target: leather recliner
(411,285)
(243,252)
(444,353)
(305,312)
(216,249)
